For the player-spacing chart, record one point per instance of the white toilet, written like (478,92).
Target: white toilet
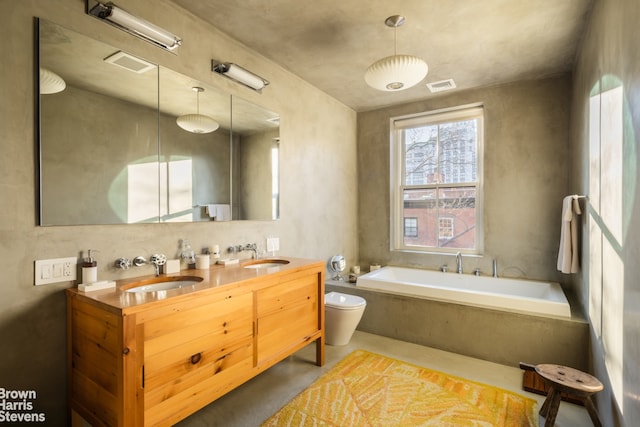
(342,315)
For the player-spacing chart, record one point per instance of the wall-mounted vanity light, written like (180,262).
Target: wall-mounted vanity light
(239,74)
(113,15)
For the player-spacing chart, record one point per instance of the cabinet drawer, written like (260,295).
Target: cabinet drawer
(209,325)
(287,295)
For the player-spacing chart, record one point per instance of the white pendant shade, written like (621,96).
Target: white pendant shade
(50,82)
(397,72)
(197,123)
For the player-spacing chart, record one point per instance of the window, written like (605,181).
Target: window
(436,165)
(410,227)
(445,228)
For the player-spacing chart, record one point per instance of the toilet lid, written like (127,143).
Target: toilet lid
(344,301)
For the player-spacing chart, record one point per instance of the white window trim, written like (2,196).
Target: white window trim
(396,125)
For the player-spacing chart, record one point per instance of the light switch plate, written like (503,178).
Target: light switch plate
(55,270)
(273,244)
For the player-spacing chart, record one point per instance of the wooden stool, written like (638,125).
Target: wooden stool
(572,382)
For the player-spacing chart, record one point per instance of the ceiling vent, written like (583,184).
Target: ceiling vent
(441,86)
(130,62)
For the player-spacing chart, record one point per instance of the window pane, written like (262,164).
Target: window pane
(422,205)
(445,223)
(458,151)
(459,204)
(420,155)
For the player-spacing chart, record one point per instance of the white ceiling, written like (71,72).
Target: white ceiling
(330,43)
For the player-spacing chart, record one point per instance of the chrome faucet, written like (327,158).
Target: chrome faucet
(495,267)
(157,260)
(252,247)
(459,263)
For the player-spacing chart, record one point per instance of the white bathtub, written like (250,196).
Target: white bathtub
(524,296)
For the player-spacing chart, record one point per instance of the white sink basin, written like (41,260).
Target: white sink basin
(165,284)
(267,263)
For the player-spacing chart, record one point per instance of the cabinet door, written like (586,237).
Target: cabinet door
(287,316)
(196,354)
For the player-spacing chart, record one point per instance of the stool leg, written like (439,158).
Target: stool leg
(545,406)
(552,410)
(592,411)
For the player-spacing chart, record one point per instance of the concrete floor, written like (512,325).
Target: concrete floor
(252,403)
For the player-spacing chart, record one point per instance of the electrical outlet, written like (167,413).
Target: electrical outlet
(273,244)
(55,270)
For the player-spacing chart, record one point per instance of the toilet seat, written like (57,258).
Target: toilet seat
(343,301)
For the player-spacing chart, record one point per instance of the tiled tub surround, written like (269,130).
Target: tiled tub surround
(494,335)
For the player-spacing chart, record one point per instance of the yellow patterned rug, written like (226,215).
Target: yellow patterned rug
(366,389)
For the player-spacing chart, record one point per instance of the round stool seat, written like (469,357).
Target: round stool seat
(569,379)
(563,379)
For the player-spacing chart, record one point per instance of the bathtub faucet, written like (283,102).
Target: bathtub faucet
(459,263)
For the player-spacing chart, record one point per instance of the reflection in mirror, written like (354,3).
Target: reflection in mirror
(98,134)
(195,166)
(111,151)
(256,150)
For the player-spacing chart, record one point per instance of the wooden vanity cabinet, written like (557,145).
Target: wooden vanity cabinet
(157,363)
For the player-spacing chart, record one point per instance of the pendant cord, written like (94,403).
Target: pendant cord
(395,40)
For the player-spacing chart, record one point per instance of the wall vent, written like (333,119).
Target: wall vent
(441,86)
(130,62)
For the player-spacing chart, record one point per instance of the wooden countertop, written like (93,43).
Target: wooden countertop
(215,277)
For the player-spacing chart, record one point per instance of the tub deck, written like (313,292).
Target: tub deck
(513,295)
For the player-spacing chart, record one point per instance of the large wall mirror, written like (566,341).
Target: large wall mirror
(111,151)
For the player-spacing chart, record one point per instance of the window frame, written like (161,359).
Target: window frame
(397,187)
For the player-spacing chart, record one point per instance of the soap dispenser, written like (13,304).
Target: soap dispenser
(89,269)
(188,254)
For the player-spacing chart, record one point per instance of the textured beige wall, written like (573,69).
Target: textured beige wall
(610,49)
(318,154)
(526,159)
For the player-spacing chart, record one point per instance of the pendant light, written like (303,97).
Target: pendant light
(397,72)
(197,123)
(50,82)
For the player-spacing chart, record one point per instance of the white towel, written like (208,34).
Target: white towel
(568,251)
(219,212)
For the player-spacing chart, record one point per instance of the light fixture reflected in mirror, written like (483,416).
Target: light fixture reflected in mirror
(397,72)
(239,74)
(50,82)
(197,123)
